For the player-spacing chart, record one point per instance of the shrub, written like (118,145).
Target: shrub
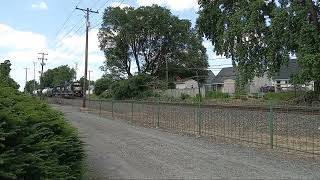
(281,96)
(102,85)
(134,87)
(184,96)
(217,95)
(35,141)
(105,95)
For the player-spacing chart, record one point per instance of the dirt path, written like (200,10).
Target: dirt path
(116,149)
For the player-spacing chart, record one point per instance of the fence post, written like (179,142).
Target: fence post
(112,104)
(100,107)
(158,113)
(199,117)
(132,110)
(271,125)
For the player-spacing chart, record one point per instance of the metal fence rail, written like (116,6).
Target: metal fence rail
(290,128)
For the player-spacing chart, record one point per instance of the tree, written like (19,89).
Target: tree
(259,36)
(102,85)
(57,76)
(31,86)
(147,38)
(5,78)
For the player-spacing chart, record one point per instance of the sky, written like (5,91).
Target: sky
(30,27)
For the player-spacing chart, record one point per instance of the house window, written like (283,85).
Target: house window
(191,86)
(278,82)
(286,82)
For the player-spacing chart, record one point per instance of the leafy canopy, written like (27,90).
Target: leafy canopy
(146,38)
(57,76)
(5,79)
(260,35)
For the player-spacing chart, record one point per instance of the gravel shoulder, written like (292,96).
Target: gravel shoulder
(116,149)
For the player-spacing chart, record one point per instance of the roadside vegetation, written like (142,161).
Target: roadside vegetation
(36,142)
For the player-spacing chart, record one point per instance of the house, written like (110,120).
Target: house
(281,81)
(225,81)
(186,84)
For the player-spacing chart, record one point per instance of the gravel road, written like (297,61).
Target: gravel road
(116,149)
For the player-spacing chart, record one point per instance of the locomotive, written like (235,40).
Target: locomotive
(66,90)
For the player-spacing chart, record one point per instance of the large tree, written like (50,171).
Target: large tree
(5,79)
(261,35)
(57,76)
(147,38)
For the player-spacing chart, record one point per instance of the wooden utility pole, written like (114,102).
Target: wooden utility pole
(34,76)
(42,59)
(25,87)
(89,84)
(87,11)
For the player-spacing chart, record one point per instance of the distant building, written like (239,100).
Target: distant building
(225,81)
(186,84)
(281,81)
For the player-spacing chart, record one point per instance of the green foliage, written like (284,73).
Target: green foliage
(217,95)
(57,76)
(35,141)
(105,95)
(5,79)
(134,87)
(260,35)
(149,37)
(184,96)
(30,86)
(102,85)
(281,96)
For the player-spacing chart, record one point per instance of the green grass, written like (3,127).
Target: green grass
(217,95)
(281,96)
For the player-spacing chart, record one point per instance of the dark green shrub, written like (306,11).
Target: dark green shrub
(134,87)
(184,96)
(35,141)
(102,85)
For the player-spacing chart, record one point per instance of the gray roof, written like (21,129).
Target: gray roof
(211,77)
(286,71)
(226,73)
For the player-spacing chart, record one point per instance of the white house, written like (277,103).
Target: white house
(187,84)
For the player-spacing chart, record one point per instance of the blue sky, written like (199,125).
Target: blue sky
(31,26)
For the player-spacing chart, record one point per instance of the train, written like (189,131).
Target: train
(67,90)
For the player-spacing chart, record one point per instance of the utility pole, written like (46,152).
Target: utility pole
(76,69)
(167,73)
(200,97)
(34,76)
(42,59)
(89,84)
(87,11)
(25,87)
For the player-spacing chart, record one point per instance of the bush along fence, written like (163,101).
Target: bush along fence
(294,129)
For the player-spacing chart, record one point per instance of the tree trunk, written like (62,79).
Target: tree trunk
(317,87)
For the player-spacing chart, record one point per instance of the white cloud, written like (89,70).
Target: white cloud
(176,5)
(22,49)
(121,5)
(40,5)
(11,38)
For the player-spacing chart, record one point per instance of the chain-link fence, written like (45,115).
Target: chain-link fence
(286,127)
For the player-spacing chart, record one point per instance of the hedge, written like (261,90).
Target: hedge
(36,142)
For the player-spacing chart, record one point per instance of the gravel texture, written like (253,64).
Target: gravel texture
(117,149)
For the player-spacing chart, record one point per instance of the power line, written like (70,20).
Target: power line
(68,18)
(102,7)
(68,33)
